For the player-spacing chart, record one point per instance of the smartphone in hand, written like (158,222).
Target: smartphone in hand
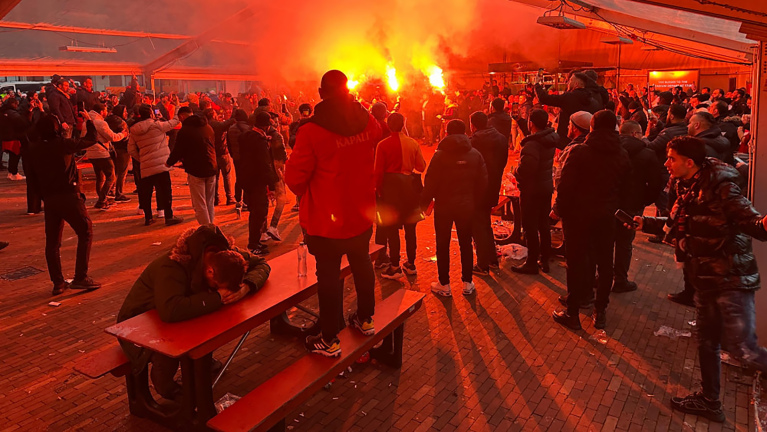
(625,218)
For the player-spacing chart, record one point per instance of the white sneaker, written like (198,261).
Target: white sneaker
(139,211)
(468,288)
(161,214)
(16,177)
(441,290)
(273,233)
(265,237)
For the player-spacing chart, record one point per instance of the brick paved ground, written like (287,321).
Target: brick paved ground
(492,362)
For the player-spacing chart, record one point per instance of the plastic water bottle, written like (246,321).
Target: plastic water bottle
(301,259)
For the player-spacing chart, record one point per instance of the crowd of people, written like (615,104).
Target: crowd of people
(586,155)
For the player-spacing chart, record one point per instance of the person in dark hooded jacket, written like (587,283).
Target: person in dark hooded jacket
(703,126)
(494,148)
(499,119)
(598,92)
(195,148)
(456,181)
(233,140)
(711,226)
(536,185)
(594,178)
(200,274)
(332,169)
(576,98)
(645,183)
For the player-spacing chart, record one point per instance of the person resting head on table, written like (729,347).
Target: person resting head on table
(202,272)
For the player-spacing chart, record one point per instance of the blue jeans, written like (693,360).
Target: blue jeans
(726,318)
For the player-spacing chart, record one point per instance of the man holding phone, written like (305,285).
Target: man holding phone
(711,225)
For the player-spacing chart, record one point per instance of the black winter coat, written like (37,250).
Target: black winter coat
(456,178)
(716,144)
(88,98)
(658,145)
(570,102)
(60,105)
(536,163)
(195,147)
(256,161)
(494,148)
(13,125)
(594,178)
(233,137)
(647,178)
(220,128)
(501,122)
(729,128)
(719,222)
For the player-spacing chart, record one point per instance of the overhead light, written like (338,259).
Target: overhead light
(617,40)
(650,48)
(72,48)
(561,22)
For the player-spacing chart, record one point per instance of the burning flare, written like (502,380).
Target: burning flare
(391,78)
(436,79)
(352,84)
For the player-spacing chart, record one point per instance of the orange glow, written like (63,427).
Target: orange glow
(352,84)
(436,79)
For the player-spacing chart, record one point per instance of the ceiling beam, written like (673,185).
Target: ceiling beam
(195,43)
(649,25)
(26,67)
(7,6)
(753,12)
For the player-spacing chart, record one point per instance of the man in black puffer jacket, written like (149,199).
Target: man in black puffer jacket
(645,184)
(499,119)
(456,181)
(703,126)
(711,226)
(536,185)
(576,98)
(594,179)
(494,148)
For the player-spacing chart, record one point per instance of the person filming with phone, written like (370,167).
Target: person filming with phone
(711,225)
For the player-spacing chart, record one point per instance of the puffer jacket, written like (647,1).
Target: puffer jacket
(233,137)
(148,144)
(195,147)
(456,178)
(494,148)
(719,222)
(594,178)
(60,105)
(175,286)
(647,177)
(256,161)
(535,172)
(105,138)
(658,145)
(717,145)
(501,122)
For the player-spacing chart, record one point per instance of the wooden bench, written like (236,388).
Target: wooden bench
(266,407)
(109,361)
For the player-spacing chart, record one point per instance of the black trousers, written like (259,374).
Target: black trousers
(482,231)
(69,208)
(589,249)
(624,239)
(535,221)
(257,201)
(34,201)
(237,185)
(330,289)
(13,162)
(121,161)
(105,176)
(443,226)
(146,187)
(393,241)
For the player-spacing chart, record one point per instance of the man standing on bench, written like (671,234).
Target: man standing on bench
(202,272)
(331,169)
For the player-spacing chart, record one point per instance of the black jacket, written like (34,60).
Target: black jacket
(456,178)
(220,128)
(599,93)
(536,163)
(256,161)
(658,145)
(594,178)
(570,102)
(639,116)
(277,145)
(130,98)
(51,168)
(647,176)
(60,105)
(729,127)
(195,147)
(88,98)
(494,148)
(718,225)
(13,125)
(501,122)
(717,145)
(233,137)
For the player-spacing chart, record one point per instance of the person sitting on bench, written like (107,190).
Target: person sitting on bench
(202,272)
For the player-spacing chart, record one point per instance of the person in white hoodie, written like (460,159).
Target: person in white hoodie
(148,143)
(99,154)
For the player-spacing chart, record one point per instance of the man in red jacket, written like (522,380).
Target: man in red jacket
(331,169)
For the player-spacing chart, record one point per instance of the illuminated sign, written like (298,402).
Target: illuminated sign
(663,80)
